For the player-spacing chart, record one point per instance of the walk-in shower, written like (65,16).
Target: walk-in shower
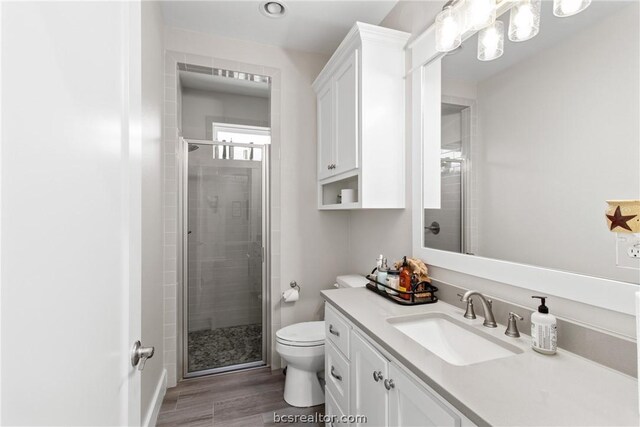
(224,221)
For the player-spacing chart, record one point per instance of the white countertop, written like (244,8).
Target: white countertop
(527,389)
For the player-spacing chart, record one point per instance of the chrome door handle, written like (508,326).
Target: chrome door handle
(388,384)
(333,331)
(139,355)
(334,375)
(377,375)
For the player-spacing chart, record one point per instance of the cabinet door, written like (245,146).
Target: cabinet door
(413,405)
(326,140)
(346,115)
(336,418)
(368,395)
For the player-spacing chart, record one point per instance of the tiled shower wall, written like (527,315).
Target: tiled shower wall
(225,217)
(172,234)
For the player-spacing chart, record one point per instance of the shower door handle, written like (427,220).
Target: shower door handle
(139,355)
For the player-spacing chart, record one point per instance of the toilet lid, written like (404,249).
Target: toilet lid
(302,334)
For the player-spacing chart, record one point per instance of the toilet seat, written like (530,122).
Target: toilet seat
(305,334)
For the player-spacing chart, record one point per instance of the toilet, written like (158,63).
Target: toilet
(301,346)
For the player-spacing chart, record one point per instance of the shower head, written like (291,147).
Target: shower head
(193,147)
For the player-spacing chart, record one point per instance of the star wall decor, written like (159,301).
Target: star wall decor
(619,220)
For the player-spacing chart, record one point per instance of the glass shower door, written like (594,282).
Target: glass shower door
(224,260)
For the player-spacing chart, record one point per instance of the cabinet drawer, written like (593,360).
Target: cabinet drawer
(336,375)
(337,330)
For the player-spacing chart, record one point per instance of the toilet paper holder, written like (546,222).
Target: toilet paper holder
(295,285)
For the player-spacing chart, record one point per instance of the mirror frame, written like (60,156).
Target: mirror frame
(426,94)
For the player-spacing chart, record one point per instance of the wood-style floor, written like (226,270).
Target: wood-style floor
(242,399)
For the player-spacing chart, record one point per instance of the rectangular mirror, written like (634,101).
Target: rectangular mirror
(533,143)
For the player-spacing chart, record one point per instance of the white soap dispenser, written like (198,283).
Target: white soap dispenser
(544,329)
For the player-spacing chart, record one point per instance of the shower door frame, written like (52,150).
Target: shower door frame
(183,200)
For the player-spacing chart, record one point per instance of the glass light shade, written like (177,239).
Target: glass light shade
(491,42)
(564,8)
(479,13)
(524,21)
(448,29)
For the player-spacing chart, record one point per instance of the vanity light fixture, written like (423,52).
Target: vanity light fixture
(462,16)
(524,21)
(479,14)
(272,9)
(491,42)
(564,8)
(449,27)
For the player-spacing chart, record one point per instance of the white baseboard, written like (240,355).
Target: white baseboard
(154,408)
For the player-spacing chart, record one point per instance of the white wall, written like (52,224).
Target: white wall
(200,108)
(559,136)
(152,209)
(308,245)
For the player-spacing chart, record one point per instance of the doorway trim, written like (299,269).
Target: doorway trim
(173,160)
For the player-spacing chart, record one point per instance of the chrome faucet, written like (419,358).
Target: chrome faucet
(489,320)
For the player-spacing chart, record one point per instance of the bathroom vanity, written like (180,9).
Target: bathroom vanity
(381,363)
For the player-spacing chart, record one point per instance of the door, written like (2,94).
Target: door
(70,218)
(346,115)
(411,405)
(326,140)
(368,371)
(225,286)
(332,410)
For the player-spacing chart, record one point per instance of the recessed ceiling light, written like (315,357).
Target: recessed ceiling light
(273,9)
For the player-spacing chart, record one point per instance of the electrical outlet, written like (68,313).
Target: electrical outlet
(628,250)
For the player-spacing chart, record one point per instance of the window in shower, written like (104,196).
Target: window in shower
(225,187)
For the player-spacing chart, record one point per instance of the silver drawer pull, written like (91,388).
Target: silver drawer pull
(333,331)
(377,376)
(388,384)
(334,375)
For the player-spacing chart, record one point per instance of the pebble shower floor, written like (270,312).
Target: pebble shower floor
(233,345)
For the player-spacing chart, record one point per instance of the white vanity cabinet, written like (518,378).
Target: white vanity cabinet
(374,385)
(410,404)
(368,395)
(360,120)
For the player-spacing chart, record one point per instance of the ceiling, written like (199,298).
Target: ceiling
(311,26)
(212,83)
(464,65)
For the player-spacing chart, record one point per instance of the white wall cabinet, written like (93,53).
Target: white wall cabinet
(360,119)
(345,85)
(378,387)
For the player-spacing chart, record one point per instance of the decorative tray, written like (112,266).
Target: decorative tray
(422,293)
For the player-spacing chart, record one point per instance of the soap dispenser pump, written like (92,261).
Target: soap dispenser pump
(544,329)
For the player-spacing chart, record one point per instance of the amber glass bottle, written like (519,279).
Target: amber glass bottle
(405,279)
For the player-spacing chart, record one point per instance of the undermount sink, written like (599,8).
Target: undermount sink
(451,340)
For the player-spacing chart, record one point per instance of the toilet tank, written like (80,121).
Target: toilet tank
(350,281)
